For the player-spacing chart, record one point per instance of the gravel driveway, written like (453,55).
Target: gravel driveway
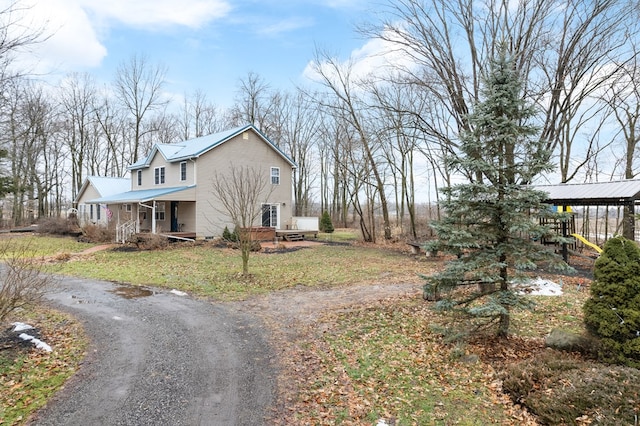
(157,358)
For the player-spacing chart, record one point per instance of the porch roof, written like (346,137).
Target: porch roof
(145,195)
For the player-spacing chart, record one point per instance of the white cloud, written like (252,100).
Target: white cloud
(149,13)
(76,29)
(68,37)
(284,26)
(375,58)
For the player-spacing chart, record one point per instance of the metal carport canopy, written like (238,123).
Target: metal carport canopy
(618,193)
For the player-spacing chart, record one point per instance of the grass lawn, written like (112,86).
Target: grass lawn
(390,361)
(204,270)
(29,245)
(386,360)
(29,376)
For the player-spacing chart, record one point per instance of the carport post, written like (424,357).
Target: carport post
(628,221)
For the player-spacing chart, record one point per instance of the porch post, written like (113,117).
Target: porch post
(153,217)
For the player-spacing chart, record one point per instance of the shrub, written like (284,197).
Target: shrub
(149,241)
(97,234)
(325,223)
(230,236)
(612,313)
(59,226)
(22,283)
(571,391)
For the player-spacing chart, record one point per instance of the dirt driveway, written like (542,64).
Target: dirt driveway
(160,358)
(157,358)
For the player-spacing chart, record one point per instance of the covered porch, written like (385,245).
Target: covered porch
(166,211)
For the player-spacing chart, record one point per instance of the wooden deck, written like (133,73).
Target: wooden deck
(295,234)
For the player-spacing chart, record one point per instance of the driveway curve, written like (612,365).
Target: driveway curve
(160,358)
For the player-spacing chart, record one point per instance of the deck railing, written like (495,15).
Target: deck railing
(126,230)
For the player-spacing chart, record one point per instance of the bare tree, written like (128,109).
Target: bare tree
(563,49)
(253,103)
(240,192)
(199,117)
(139,88)
(295,126)
(15,35)
(114,134)
(22,282)
(77,98)
(27,135)
(623,98)
(344,100)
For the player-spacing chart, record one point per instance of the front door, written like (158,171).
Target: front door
(270,215)
(174,216)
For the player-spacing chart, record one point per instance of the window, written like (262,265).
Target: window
(98,209)
(159,175)
(160,211)
(127,207)
(275,176)
(139,177)
(183,171)
(91,211)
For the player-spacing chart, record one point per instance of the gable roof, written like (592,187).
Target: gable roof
(598,193)
(193,148)
(105,186)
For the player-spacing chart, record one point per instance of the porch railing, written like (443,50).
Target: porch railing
(127,229)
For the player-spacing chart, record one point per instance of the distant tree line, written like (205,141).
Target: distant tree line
(365,144)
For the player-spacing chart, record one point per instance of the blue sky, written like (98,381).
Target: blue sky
(205,44)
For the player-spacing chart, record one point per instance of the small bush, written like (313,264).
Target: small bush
(612,313)
(560,390)
(59,226)
(97,234)
(325,223)
(22,283)
(149,241)
(230,236)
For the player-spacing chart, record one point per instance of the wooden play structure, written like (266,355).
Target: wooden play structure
(599,211)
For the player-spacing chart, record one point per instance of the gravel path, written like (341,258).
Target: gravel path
(157,358)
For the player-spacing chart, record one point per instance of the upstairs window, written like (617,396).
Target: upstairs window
(159,175)
(275,176)
(183,171)
(139,173)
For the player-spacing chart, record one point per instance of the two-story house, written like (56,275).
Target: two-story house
(171,188)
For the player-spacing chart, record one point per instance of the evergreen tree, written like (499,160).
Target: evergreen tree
(613,312)
(490,221)
(325,223)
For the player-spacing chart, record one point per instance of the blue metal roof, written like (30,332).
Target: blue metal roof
(109,185)
(193,148)
(139,196)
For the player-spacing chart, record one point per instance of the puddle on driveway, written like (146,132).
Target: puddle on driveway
(129,292)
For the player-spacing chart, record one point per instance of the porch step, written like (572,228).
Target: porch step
(293,237)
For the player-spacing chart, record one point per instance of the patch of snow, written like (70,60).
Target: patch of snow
(39,343)
(117,318)
(178,292)
(20,326)
(382,422)
(540,287)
